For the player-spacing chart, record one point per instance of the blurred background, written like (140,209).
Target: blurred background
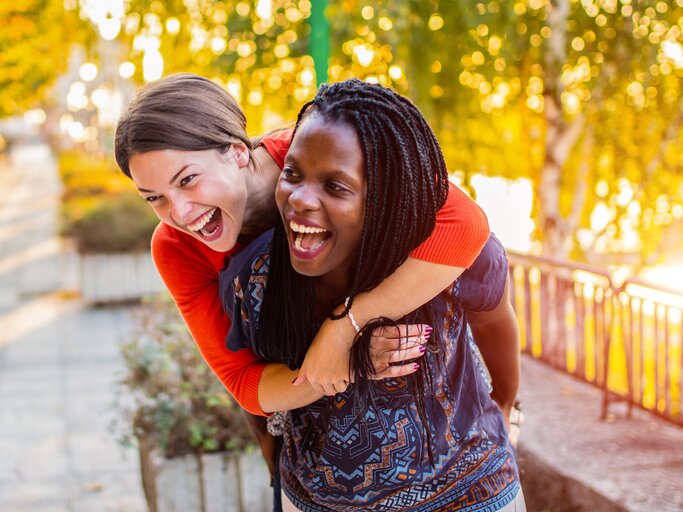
(562,118)
(564,123)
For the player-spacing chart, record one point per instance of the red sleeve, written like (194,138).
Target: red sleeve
(460,232)
(277,144)
(190,271)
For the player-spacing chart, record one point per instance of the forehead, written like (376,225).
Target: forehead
(330,141)
(154,168)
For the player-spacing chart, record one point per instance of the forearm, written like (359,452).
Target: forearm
(277,393)
(413,284)
(498,342)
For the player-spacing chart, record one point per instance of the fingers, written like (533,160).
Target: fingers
(398,343)
(402,331)
(392,372)
(415,351)
(325,388)
(333,388)
(300,379)
(380,345)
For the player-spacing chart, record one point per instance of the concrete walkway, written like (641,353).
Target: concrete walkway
(571,460)
(59,362)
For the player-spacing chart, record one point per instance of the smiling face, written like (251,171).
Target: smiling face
(203,193)
(321,198)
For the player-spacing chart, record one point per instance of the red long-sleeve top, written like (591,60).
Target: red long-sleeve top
(190,271)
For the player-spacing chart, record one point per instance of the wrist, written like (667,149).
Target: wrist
(352,319)
(341,330)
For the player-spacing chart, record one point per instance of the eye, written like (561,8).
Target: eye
(337,187)
(152,199)
(288,174)
(187,179)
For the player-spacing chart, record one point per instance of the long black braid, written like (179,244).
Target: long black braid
(407,183)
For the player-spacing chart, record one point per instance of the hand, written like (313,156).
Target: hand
(513,417)
(326,365)
(515,420)
(393,344)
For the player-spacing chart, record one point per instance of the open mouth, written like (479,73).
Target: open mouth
(208,224)
(308,239)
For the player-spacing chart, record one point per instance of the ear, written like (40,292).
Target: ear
(241,153)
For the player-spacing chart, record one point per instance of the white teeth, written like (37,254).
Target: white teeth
(297,243)
(300,228)
(299,247)
(202,220)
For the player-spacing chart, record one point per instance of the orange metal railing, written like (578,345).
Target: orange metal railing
(624,338)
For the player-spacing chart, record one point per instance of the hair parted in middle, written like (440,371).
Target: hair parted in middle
(407,183)
(183,112)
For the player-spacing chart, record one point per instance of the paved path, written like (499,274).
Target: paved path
(572,460)
(59,362)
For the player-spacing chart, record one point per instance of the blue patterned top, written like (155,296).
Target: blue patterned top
(340,455)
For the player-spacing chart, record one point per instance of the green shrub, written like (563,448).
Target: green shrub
(84,174)
(100,207)
(169,394)
(115,223)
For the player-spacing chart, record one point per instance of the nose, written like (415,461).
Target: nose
(304,197)
(180,209)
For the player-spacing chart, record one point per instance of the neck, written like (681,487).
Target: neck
(261,212)
(330,291)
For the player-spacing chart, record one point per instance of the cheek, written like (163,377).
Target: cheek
(282,192)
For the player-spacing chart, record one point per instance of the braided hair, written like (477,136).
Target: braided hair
(407,183)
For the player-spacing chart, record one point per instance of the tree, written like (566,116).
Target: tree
(35,43)
(260,53)
(581,97)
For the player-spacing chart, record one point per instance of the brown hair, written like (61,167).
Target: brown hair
(184,112)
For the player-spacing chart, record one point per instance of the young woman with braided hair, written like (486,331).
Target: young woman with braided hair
(362,184)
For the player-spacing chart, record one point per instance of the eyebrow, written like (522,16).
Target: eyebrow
(332,171)
(171,181)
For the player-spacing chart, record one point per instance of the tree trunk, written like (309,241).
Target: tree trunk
(560,137)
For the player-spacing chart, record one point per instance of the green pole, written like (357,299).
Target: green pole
(320,39)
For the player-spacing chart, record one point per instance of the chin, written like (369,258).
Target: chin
(221,244)
(304,270)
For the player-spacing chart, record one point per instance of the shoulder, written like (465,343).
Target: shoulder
(481,286)
(169,244)
(187,266)
(241,289)
(277,144)
(252,261)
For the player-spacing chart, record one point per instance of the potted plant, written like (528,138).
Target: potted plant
(196,450)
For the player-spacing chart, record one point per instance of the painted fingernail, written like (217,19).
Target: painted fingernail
(415,366)
(428,329)
(422,350)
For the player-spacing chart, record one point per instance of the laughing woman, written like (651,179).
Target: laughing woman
(361,186)
(183,141)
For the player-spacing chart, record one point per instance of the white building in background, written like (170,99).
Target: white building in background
(507,204)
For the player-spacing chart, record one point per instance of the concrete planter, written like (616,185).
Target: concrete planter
(118,277)
(217,482)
